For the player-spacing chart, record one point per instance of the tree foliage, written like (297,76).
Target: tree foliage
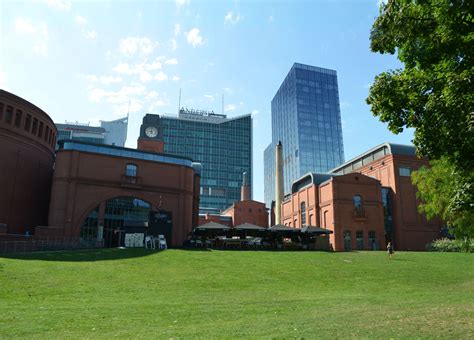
(439,188)
(434,92)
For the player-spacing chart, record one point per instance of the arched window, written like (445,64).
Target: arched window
(357,202)
(131,170)
(303,213)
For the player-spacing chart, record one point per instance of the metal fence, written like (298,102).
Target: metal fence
(43,244)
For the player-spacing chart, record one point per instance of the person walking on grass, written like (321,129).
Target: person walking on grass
(390,250)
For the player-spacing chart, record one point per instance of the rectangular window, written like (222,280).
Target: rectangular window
(9,115)
(27,122)
(46,133)
(1,111)
(34,129)
(405,172)
(40,130)
(360,240)
(18,117)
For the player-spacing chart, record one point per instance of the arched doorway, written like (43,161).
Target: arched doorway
(106,224)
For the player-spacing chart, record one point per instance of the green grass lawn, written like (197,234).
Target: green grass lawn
(136,293)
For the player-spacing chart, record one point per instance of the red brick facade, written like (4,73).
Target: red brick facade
(84,180)
(27,139)
(331,203)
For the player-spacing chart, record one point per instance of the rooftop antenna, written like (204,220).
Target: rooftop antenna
(179,102)
(222,103)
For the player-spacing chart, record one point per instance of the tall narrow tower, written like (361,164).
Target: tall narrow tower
(279,182)
(245,190)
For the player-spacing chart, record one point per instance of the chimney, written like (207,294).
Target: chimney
(279,182)
(245,189)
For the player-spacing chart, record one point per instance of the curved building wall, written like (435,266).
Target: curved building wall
(27,139)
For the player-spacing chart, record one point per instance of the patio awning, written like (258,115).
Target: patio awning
(248,226)
(212,226)
(281,227)
(315,230)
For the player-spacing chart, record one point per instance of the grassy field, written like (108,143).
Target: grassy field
(136,293)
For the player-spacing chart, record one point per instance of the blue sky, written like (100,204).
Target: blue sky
(83,61)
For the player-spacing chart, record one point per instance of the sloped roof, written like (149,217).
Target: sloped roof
(249,226)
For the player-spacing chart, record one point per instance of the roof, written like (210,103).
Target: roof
(281,227)
(119,151)
(373,154)
(311,178)
(212,226)
(315,230)
(80,128)
(249,226)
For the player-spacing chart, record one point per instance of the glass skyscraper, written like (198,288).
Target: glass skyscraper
(306,118)
(222,145)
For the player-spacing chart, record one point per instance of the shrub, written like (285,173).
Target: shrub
(447,245)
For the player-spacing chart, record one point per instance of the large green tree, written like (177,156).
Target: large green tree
(438,188)
(434,92)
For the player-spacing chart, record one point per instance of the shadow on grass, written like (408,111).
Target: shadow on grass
(83,255)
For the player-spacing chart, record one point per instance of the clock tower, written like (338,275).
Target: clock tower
(151,135)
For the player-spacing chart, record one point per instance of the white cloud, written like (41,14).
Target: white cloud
(92,34)
(40,48)
(177,29)
(227,90)
(160,76)
(230,107)
(117,97)
(142,69)
(209,97)
(38,32)
(172,61)
(80,20)
(255,112)
(106,80)
(180,3)
(232,18)
(136,45)
(173,44)
(176,78)
(194,37)
(62,5)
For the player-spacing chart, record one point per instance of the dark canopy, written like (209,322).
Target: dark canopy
(281,227)
(248,226)
(212,226)
(315,230)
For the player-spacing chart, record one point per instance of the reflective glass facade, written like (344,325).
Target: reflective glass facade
(306,118)
(222,145)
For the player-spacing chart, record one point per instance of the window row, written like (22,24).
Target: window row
(36,127)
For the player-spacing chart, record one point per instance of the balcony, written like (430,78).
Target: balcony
(132,182)
(359,214)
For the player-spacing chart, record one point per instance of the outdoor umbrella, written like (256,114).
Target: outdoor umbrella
(211,227)
(249,229)
(283,228)
(248,226)
(315,230)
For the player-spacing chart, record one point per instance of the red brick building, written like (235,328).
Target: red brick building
(244,211)
(366,201)
(27,139)
(102,186)
(94,191)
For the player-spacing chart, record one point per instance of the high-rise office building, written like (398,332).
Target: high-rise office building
(222,145)
(109,132)
(306,118)
(115,131)
(80,132)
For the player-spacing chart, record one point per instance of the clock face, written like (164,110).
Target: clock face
(151,131)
